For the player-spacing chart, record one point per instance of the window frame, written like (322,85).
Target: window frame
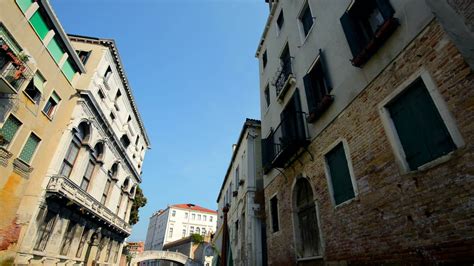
(74,142)
(350,167)
(36,149)
(440,105)
(304,35)
(273,231)
(54,107)
(7,145)
(277,23)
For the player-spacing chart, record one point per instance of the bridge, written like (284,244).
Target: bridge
(161,255)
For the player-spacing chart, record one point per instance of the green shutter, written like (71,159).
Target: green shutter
(55,97)
(9,129)
(24,4)
(68,70)
(39,81)
(55,50)
(340,176)
(29,149)
(419,126)
(39,24)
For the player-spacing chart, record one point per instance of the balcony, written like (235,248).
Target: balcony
(284,79)
(63,187)
(285,141)
(13,76)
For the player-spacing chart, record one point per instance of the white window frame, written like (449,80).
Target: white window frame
(302,35)
(327,171)
(442,109)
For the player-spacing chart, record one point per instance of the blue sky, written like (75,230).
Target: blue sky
(193,72)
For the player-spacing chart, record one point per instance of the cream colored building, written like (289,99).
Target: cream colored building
(242,192)
(179,221)
(39,70)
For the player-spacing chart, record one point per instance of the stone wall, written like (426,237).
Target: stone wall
(422,216)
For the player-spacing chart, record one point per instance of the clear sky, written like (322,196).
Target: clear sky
(194,75)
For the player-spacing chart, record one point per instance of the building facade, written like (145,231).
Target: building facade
(69,169)
(179,221)
(242,193)
(135,248)
(367,133)
(39,70)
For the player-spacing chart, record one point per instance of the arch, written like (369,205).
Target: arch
(83,131)
(113,172)
(98,151)
(160,255)
(125,184)
(133,190)
(307,233)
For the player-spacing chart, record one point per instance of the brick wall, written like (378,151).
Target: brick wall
(423,216)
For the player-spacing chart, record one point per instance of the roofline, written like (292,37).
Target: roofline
(248,123)
(110,43)
(267,27)
(210,211)
(59,29)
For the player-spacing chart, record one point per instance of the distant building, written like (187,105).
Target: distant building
(135,248)
(242,192)
(179,221)
(367,131)
(200,253)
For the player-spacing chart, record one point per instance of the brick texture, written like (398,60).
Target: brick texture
(417,218)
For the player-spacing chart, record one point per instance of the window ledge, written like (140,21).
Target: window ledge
(322,106)
(434,163)
(307,35)
(347,202)
(310,258)
(22,168)
(5,155)
(29,98)
(47,116)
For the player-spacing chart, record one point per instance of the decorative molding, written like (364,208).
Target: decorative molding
(22,168)
(5,155)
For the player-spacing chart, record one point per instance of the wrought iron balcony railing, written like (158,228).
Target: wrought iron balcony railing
(67,188)
(284,78)
(284,141)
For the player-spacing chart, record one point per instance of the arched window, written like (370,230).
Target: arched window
(113,170)
(98,151)
(307,230)
(126,182)
(81,135)
(132,191)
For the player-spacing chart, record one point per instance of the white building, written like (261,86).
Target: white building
(241,190)
(178,221)
(83,216)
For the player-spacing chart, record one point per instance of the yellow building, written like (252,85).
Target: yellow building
(38,72)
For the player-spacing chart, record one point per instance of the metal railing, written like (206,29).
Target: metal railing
(15,75)
(67,188)
(283,76)
(285,140)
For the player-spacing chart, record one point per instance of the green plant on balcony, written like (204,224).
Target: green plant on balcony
(197,238)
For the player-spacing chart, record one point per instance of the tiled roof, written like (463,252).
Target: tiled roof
(193,207)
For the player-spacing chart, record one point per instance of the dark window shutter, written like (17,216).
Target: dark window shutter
(385,8)
(419,126)
(352,33)
(340,176)
(310,97)
(322,61)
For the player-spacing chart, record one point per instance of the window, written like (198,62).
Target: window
(68,237)
(51,105)
(45,230)
(118,94)
(267,95)
(204,218)
(191,230)
(119,203)
(306,20)
(185,215)
(199,217)
(105,194)
(367,25)
(125,141)
(317,90)
(170,234)
(420,128)
(264,59)
(9,130)
(39,24)
(83,55)
(24,4)
(113,170)
(237,178)
(69,159)
(274,214)
(173,213)
(280,21)
(108,73)
(203,231)
(101,94)
(184,233)
(339,175)
(307,230)
(198,230)
(210,218)
(112,116)
(30,148)
(55,50)
(116,251)
(193,216)
(86,179)
(83,242)
(35,88)
(109,250)
(68,70)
